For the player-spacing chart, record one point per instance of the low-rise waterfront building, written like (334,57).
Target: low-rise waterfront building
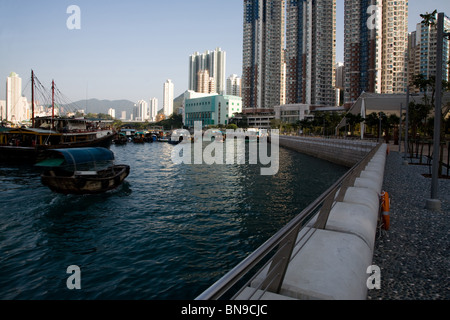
(211,110)
(291,113)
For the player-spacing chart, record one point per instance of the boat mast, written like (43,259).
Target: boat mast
(32,98)
(53,103)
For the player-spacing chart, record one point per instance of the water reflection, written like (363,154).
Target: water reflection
(179,227)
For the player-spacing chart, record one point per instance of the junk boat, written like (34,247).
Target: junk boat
(82,171)
(29,145)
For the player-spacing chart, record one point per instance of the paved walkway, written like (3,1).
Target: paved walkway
(414,255)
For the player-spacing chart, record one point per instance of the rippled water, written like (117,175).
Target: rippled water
(169,232)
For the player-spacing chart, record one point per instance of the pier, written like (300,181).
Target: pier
(329,249)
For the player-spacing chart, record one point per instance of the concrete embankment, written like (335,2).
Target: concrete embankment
(332,262)
(340,151)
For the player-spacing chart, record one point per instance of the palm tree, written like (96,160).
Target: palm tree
(353,119)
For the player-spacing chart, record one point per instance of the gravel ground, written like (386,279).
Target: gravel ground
(414,255)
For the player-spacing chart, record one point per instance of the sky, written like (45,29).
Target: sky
(128,49)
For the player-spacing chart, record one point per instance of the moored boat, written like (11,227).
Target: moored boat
(29,145)
(82,171)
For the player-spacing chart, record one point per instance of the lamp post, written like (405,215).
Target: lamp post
(405,157)
(400,130)
(434,203)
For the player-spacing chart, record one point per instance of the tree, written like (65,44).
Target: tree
(372,121)
(420,81)
(353,119)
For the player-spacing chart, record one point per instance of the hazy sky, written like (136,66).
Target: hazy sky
(128,49)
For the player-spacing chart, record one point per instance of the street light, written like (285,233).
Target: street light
(434,203)
(405,157)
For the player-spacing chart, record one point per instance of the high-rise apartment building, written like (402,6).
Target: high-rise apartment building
(17,108)
(205,83)
(422,52)
(311,52)
(263,53)
(375,47)
(234,85)
(112,113)
(2,110)
(212,61)
(153,109)
(394,46)
(141,111)
(168,95)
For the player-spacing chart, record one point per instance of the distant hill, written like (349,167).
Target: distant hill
(102,106)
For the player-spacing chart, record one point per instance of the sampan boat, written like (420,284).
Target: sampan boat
(82,171)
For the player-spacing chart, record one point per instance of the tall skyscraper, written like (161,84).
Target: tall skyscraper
(376,38)
(16,105)
(141,111)
(205,83)
(422,52)
(394,46)
(234,85)
(153,109)
(168,95)
(112,113)
(263,53)
(311,52)
(212,61)
(2,110)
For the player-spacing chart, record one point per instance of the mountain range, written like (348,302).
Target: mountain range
(101,106)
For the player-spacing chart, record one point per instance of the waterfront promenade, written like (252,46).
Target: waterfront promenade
(414,255)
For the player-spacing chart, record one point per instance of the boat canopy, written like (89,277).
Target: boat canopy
(76,156)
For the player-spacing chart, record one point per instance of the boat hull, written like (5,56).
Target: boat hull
(31,155)
(80,184)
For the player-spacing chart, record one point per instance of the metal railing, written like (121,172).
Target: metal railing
(275,254)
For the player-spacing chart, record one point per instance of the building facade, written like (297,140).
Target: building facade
(375,47)
(112,113)
(311,52)
(211,110)
(17,108)
(140,112)
(168,96)
(422,53)
(263,53)
(2,110)
(153,109)
(234,85)
(214,62)
(394,46)
(291,113)
(205,83)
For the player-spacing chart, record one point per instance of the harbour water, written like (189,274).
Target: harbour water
(169,232)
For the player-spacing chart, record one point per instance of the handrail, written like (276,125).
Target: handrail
(284,240)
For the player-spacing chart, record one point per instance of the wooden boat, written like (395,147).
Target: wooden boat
(120,138)
(82,171)
(29,145)
(139,137)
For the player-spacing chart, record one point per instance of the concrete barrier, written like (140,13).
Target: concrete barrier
(339,151)
(331,263)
